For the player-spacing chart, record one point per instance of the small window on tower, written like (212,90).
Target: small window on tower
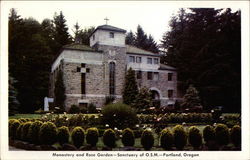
(93,37)
(111,34)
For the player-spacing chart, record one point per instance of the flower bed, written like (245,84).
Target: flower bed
(68,137)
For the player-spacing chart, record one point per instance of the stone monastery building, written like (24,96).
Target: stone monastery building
(91,73)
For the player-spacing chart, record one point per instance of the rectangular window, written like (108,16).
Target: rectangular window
(138,74)
(111,35)
(170,76)
(132,59)
(150,75)
(138,59)
(156,76)
(93,37)
(149,60)
(156,61)
(170,93)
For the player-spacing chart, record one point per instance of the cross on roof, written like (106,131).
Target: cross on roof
(106,19)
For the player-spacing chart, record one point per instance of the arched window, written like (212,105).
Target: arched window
(112,78)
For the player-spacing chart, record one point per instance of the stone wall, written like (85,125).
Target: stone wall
(162,85)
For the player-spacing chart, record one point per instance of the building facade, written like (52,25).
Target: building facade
(92,73)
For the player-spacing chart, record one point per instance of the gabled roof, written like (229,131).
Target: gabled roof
(109,28)
(166,67)
(80,47)
(135,50)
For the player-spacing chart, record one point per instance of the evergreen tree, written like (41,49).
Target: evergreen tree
(191,98)
(204,46)
(130,38)
(85,34)
(62,36)
(130,88)
(59,91)
(151,45)
(141,38)
(143,99)
(13,102)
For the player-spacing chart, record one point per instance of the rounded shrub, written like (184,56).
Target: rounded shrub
(147,139)
(33,133)
(77,136)
(19,132)
(13,125)
(63,135)
(194,137)
(166,139)
(92,136)
(235,135)
(180,137)
(74,109)
(47,133)
(119,115)
(222,134)
(128,137)
(208,133)
(109,138)
(25,131)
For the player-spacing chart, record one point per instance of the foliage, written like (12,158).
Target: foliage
(63,135)
(47,133)
(74,109)
(235,135)
(147,139)
(222,134)
(33,133)
(130,90)
(13,102)
(25,131)
(109,138)
(194,137)
(19,131)
(191,98)
(61,34)
(208,133)
(29,57)
(92,136)
(201,59)
(59,91)
(13,125)
(166,139)
(143,99)
(119,115)
(180,137)
(128,137)
(130,38)
(92,108)
(77,136)
(109,99)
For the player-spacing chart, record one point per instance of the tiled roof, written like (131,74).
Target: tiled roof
(79,47)
(135,50)
(166,67)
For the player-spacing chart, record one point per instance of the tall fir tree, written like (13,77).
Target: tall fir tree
(59,91)
(204,45)
(62,36)
(130,38)
(130,90)
(141,38)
